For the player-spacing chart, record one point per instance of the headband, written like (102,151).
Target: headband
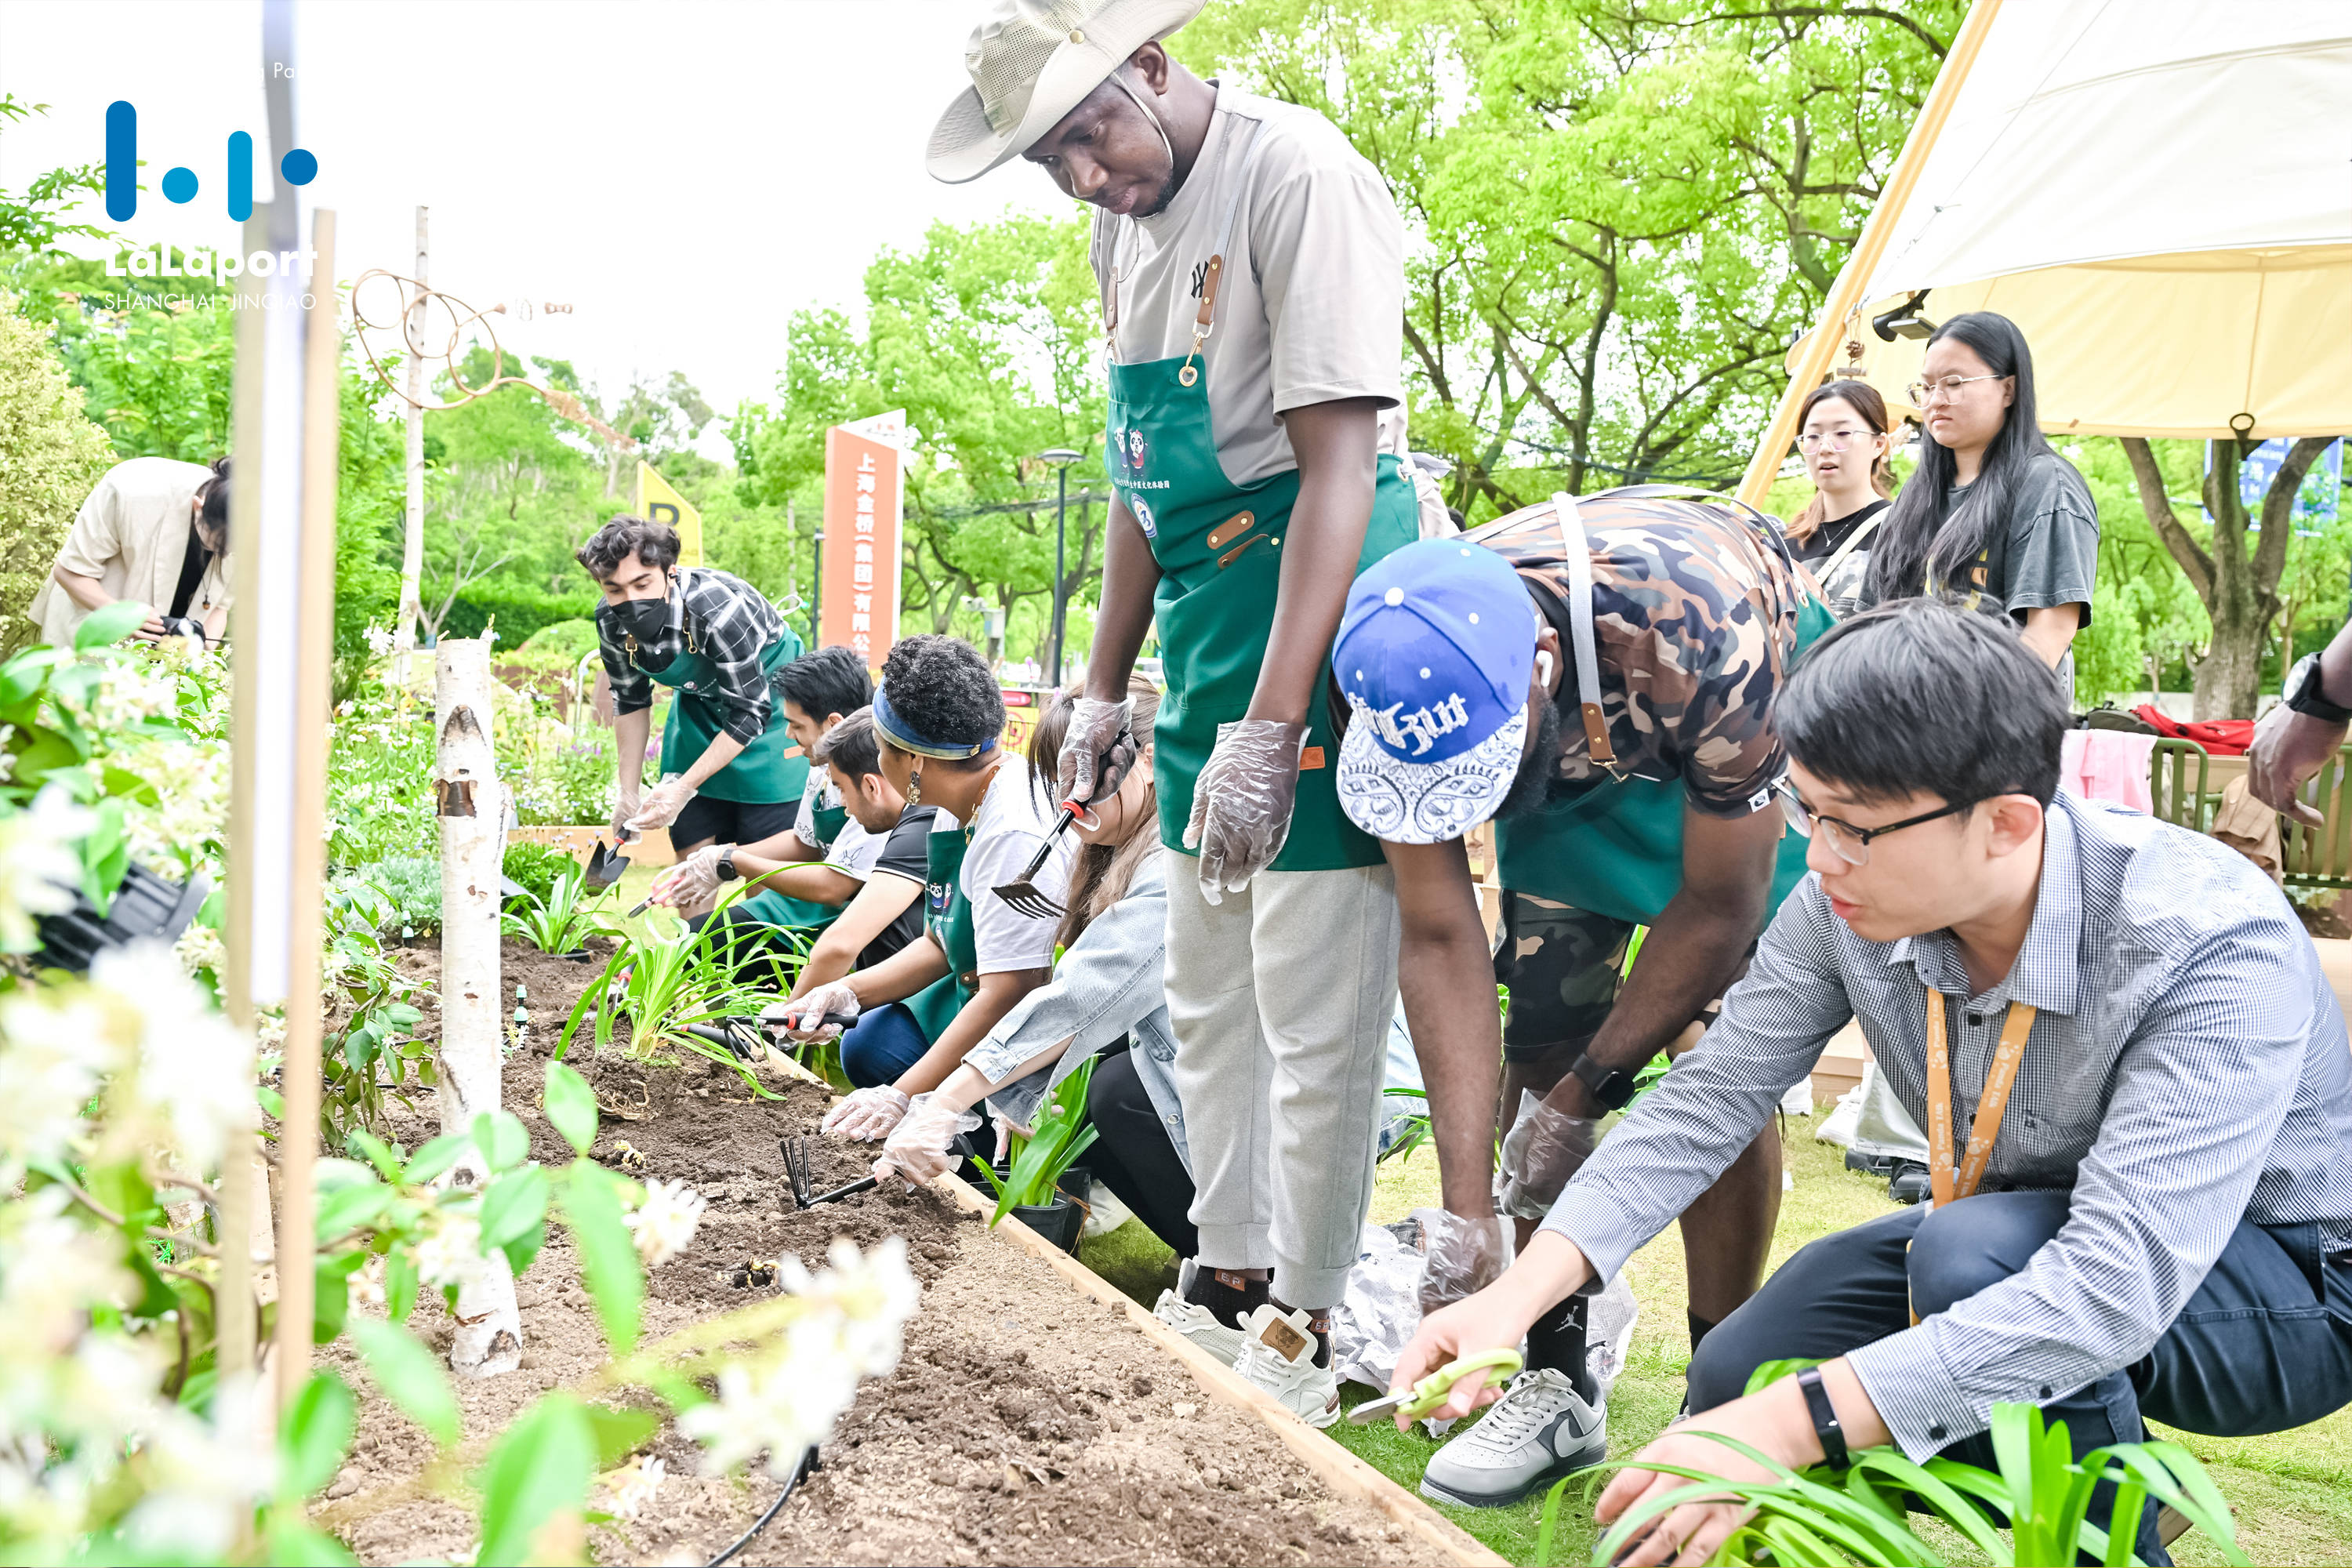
(895,729)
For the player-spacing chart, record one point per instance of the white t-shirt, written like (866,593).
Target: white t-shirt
(1315,315)
(854,850)
(1012,821)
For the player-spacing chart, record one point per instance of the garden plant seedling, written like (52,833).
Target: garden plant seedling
(1039,1159)
(560,923)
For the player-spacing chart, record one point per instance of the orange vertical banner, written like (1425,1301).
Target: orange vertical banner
(863,497)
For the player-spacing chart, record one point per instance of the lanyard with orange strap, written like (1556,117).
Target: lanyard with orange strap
(1947,1184)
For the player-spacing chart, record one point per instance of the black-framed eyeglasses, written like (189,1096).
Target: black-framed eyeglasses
(1849,843)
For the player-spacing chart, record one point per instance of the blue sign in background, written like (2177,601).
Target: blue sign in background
(2314,504)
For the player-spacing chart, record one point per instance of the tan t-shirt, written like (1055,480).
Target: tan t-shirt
(1318,313)
(132,534)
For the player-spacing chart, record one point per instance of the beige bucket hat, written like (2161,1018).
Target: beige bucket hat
(1033,61)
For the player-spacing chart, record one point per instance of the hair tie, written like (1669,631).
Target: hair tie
(898,733)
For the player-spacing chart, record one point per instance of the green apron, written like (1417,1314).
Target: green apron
(947,917)
(771,907)
(761,774)
(1219,546)
(1616,847)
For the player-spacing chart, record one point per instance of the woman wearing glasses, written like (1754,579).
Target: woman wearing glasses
(1844,435)
(1992,513)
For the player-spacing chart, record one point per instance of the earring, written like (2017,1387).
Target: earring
(915,789)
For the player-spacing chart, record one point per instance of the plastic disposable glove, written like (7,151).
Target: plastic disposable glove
(1097,752)
(1543,1149)
(1460,1257)
(662,806)
(625,806)
(917,1149)
(800,1017)
(867,1113)
(693,880)
(1242,801)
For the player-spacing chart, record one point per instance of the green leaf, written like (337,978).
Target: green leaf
(619,1432)
(410,1376)
(512,1205)
(524,1248)
(347,1208)
(109,623)
(1772,1372)
(608,1257)
(539,1472)
(436,1158)
(571,1106)
(502,1140)
(375,1152)
(313,1435)
(290,1543)
(331,1306)
(399,1284)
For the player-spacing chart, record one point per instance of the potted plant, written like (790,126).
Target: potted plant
(1030,1190)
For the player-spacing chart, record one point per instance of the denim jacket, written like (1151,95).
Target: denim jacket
(1111,982)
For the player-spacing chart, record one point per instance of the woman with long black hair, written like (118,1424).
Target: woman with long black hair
(1992,513)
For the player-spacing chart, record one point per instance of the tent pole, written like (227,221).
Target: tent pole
(1845,295)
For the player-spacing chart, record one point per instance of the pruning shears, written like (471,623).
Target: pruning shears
(1430,1393)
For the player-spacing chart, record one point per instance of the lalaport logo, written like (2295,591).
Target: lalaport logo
(180,185)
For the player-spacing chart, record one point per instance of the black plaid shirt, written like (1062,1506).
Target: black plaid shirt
(728,624)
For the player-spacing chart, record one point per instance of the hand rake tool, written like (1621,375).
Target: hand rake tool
(796,1170)
(1023,893)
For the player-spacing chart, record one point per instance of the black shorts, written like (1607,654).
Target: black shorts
(707,820)
(1564,967)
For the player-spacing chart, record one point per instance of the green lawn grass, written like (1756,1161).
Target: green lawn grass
(2291,1491)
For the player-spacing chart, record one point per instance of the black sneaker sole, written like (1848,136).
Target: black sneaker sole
(1583,1460)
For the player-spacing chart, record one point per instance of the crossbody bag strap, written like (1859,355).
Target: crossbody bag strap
(1837,556)
(1586,651)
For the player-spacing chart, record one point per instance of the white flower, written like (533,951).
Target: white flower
(194,1067)
(54,1045)
(53,1270)
(367,1285)
(200,948)
(665,1223)
(451,1252)
(39,872)
(634,1484)
(379,640)
(203,1476)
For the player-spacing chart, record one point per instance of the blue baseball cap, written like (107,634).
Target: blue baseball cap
(1435,654)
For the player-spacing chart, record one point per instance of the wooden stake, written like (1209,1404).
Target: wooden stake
(298,1143)
(412,546)
(1845,295)
(472,809)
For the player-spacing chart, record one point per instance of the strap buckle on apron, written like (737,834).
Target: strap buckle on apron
(1186,373)
(1586,653)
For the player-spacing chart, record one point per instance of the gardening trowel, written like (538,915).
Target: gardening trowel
(606,866)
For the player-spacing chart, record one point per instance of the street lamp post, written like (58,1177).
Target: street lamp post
(1061,458)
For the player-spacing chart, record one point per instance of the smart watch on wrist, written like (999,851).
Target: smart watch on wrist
(1826,1425)
(2306,693)
(726,872)
(1610,1086)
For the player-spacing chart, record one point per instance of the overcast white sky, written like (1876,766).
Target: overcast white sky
(684,173)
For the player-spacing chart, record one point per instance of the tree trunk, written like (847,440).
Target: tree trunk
(473,834)
(2238,589)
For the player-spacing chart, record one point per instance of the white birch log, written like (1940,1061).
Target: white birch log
(473,829)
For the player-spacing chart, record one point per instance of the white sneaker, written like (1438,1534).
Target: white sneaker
(1278,1356)
(1537,1432)
(1199,1326)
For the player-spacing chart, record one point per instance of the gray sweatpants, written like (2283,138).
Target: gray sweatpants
(1281,997)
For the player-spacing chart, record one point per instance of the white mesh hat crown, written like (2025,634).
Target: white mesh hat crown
(1032,61)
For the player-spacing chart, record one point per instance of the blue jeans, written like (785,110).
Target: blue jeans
(884,1043)
(2264,1344)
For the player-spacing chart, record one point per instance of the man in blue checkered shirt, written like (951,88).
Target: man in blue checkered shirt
(2140,1073)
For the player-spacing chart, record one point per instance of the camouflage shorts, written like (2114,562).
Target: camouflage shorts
(1563,966)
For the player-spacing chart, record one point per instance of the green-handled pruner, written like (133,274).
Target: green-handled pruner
(1430,1393)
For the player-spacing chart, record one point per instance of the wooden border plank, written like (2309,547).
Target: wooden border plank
(1335,1465)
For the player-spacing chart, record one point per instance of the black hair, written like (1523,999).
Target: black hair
(829,680)
(851,745)
(214,493)
(946,693)
(1920,534)
(654,543)
(1921,697)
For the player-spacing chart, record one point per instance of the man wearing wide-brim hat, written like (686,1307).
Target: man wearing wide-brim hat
(1251,272)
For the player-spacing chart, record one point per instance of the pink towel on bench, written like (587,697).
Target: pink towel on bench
(2107,764)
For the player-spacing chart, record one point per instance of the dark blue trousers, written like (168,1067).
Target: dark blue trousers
(2264,1344)
(883,1043)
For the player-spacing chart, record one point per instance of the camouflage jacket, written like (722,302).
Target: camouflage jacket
(1694,618)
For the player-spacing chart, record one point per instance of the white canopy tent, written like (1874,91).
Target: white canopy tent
(2160,194)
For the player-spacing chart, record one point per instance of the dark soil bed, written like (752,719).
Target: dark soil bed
(1025,1423)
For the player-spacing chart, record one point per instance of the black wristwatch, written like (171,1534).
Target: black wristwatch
(1825,1421)
(726,872)
(2306,694)
(1610,1086)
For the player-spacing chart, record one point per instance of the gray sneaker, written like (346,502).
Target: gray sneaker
(1537,1432)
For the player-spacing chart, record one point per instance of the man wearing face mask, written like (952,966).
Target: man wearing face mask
(729,773)
(1597,677)
(1252,277)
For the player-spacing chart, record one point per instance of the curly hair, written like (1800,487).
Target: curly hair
(943,689)
(654,543)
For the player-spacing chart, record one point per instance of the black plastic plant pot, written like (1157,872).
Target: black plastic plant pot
(146,907)
(1058,1222)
